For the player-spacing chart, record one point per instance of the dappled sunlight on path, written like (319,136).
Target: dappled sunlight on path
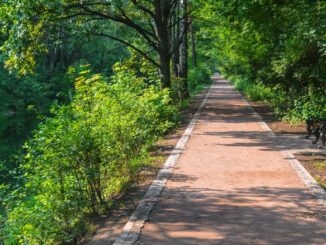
(233,185)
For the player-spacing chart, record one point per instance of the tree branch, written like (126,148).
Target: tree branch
(141,7)
(127,21)
(146,56)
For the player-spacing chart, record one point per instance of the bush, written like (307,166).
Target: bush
(291,106)
(254,91)
(311,106)
(198,77)
(87,151)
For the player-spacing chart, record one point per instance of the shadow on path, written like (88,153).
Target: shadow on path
(242,216)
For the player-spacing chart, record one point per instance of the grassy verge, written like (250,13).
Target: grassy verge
(316,166)
(292,106)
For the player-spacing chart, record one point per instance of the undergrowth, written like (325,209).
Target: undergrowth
(80,157)
(89,151)
(289,106)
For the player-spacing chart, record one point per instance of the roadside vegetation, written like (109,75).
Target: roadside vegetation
(316,165)
(86,90)
(87,87)
(273,51)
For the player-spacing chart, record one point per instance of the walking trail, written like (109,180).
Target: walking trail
(233,185)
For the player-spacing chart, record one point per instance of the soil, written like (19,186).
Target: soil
(109,226)
(316,166)
(278,126)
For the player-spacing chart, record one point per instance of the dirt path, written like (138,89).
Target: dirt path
(232,185)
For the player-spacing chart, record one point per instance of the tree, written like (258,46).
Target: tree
(183,73)
(277,45)
(150,20)
(193,43)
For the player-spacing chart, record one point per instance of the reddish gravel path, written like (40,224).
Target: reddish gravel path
(232,185)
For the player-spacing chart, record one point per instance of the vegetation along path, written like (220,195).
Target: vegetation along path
(232,184)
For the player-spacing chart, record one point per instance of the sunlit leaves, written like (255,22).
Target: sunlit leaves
(86,152)
(278,43)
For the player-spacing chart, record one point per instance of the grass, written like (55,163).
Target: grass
(321,166)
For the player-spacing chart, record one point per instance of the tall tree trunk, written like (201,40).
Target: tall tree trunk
(176,37)
(164,33)
(62,49)
(165,74)
(183,73)
(193,44)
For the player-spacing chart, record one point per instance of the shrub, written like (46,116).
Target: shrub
(310,106)
(291,106)
(198,77)
(89,149)
(254,91)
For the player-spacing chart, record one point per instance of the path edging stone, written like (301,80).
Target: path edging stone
(318,192)
(132,229)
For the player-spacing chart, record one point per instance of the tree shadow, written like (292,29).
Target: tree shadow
(224,106)
(255,215)
(259,215)
(265,141)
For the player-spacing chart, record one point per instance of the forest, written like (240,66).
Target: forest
(87,87)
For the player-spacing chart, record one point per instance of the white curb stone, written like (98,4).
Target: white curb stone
(318,192)
(132,229)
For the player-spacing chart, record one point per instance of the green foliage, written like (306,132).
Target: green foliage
(22,101)
(139,66)
(177,89)
(77,159)
(254,92)
(91,143)
(25,100)
(277,48)
(24,35)
(311,106)
(199,77)
(293,110)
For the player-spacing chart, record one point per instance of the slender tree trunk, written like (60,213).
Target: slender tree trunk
(165,73)
(176,37)
(164,33)
(62,49)
(165,57)
(183,73)
(193,44)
